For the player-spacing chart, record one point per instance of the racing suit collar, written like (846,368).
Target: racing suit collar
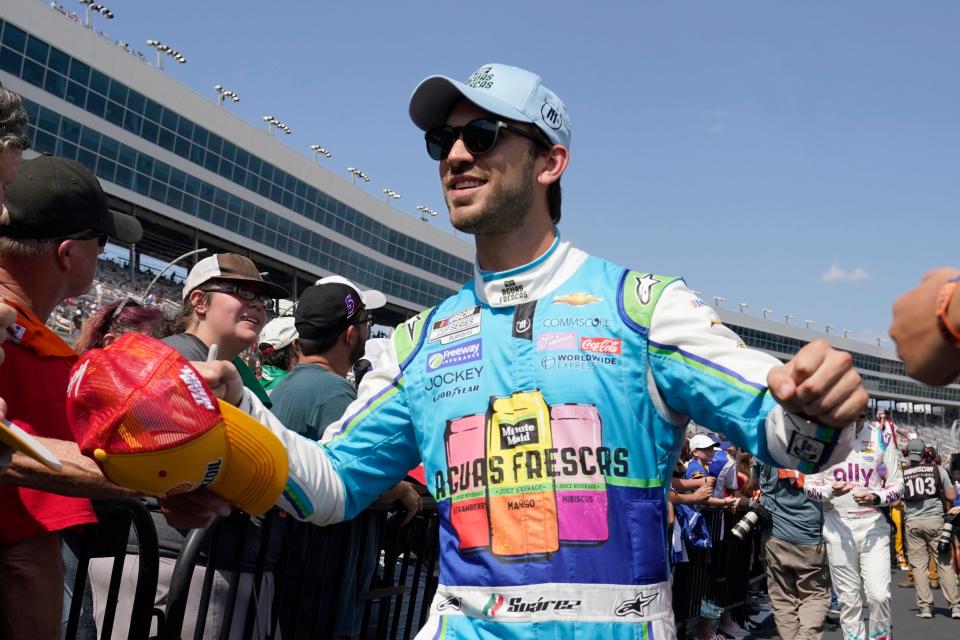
(531,281)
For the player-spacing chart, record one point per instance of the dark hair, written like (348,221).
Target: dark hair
(133,318)
(553,191)
(553,201)
(317,346)
(279,358)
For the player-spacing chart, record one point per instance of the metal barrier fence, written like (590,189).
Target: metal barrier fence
(387,571)
(721,575)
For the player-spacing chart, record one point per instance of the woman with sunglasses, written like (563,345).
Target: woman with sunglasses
(224,304)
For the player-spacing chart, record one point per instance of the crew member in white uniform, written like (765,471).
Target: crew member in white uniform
(856,533)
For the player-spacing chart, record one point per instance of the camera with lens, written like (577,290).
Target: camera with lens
(756,515)
(946,535)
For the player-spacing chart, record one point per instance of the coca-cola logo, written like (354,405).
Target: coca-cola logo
(601,345)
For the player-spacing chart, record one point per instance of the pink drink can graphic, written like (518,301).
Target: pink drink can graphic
(464,438)
(581,498)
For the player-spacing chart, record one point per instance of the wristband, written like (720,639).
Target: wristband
(950,334)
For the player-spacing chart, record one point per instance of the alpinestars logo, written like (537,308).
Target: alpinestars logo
(493,605)
(644,287)
(637,606)
(450,602)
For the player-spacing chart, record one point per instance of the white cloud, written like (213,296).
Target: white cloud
(717,120)
(836,273)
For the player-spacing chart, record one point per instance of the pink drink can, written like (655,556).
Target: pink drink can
(464,440)
(582,496)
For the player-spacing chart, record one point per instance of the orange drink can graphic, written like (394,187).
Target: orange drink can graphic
(523,507)
(463,438)
(581,497)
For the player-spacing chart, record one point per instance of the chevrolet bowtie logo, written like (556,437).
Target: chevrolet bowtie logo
(637,606)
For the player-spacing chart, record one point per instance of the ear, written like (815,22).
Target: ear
(198,299)
(109,338)
(351,335)
(556,161)
(66,253)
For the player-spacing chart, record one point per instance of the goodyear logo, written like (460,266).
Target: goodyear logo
(453,356)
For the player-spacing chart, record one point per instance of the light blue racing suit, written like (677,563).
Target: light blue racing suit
(548,405)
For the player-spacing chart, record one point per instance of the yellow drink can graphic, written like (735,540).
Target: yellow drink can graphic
(523,507)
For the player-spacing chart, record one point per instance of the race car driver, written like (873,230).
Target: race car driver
(856,533)
(548,398)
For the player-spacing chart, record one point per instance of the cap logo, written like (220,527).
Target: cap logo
(213,470)
(195,387)
(482,78)
(351,305)
(551,115)
(74,384)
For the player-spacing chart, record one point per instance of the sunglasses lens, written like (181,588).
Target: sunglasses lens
(480,136)
(439,140)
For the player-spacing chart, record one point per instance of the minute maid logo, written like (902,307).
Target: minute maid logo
(467,352)
(482,78)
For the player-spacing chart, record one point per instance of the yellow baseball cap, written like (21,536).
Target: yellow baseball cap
(146,416)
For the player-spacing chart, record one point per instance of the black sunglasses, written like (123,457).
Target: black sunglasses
(480,136)
(89,234)
(241,291)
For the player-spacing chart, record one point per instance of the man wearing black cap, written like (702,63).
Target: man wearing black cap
(333,324)
(54,224)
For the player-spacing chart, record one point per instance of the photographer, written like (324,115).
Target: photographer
(795,556)
(926,486)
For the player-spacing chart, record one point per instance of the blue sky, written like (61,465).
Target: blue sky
(797,156)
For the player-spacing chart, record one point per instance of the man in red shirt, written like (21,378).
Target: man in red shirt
(54,223)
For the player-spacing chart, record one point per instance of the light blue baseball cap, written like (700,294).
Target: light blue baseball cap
(509,92)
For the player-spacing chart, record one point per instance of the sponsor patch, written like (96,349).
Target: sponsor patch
(452,356)
(805,448)
(459,326)
(637,606)
(644,288)
(557,341)
(609,346)
(522,432)
(512,291)
(577,299)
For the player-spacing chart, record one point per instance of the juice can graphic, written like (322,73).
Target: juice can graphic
(523,507)
(581,498)
(463,438)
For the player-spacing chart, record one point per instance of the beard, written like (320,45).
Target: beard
(506,208)
(358,351)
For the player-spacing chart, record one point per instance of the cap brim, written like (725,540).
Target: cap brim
(126,228)
(19,440)
(433,98)
(256,471)
(374,299)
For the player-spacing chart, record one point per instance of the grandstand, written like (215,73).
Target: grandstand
(196,175)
